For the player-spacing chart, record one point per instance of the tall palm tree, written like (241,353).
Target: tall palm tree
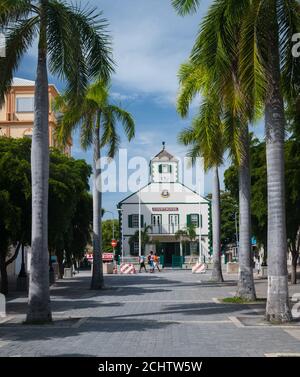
(267,71)
(73,43)
(205,138)
(97,118)
(222,74)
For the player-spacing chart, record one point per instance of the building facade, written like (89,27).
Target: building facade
(17,112)
(177,218)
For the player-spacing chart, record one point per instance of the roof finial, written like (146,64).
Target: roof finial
(164,145)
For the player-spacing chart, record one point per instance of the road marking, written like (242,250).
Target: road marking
(294,333)
(79,323)
(236,322)
(5,319)
(281,354)
(265,325)
(174,321)
(4,343)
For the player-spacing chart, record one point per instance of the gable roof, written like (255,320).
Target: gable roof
(22,82)
(164,155)
(152,191)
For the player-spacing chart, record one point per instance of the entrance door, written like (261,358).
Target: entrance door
(168,251)
(173,224)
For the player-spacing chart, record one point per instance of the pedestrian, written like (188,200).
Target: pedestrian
(142,263)
(151,262)
(258,266)
(156,262)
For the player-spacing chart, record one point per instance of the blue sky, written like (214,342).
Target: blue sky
(150,41)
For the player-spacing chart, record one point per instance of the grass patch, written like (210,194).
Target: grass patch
(241,300)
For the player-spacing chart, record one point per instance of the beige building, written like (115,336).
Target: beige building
(17,112)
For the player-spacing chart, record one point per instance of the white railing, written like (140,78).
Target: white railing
(166,228)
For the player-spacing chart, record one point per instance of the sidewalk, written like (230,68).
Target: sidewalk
(173,313)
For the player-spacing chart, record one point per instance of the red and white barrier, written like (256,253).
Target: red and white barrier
(199,268)
(127,268)
(115,271)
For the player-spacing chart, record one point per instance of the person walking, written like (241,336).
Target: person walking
(142,264)
(151,261)
(156,262)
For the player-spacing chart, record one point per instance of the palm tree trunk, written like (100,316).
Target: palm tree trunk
(216,224)
(294,268)
(277,309)
(3,273)
(246,288)
(39,298)
(97,277)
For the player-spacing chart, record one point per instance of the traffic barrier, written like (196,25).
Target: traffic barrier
(199,268)
(127,268)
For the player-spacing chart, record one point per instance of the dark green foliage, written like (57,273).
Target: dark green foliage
(70,204)
(107,234)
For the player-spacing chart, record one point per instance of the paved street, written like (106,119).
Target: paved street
(174,313)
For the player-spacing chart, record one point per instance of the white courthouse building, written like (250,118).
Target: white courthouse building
(168,206)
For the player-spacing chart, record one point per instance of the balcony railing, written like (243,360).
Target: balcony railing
(167,228)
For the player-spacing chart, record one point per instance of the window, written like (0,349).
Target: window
(165,169)
(134,248)
(193,219)
(25,104)
(133,221)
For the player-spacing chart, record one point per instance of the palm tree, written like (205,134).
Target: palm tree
(205,138)
(74,45)
(187,233)
(97,119)
(145,238)
(235,114)
(267,71)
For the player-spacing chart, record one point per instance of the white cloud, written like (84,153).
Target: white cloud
(150,42)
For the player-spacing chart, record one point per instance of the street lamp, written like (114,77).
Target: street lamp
(120,210)
(236,232)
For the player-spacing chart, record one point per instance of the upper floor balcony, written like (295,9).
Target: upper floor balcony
(169,229)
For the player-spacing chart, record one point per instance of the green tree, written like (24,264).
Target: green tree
(107,234)
(187,234)
(205,138)
(68,191)
(145,238)
(259,195)
(15,195)
(70,203)
(74,45)
(97,119)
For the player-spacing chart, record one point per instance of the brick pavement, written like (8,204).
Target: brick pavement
(174,313)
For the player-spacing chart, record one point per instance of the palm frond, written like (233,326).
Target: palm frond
(110,137)
(19,38)
(14,11)
(125,118)
(193,80)
(184,7)
(79,47)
